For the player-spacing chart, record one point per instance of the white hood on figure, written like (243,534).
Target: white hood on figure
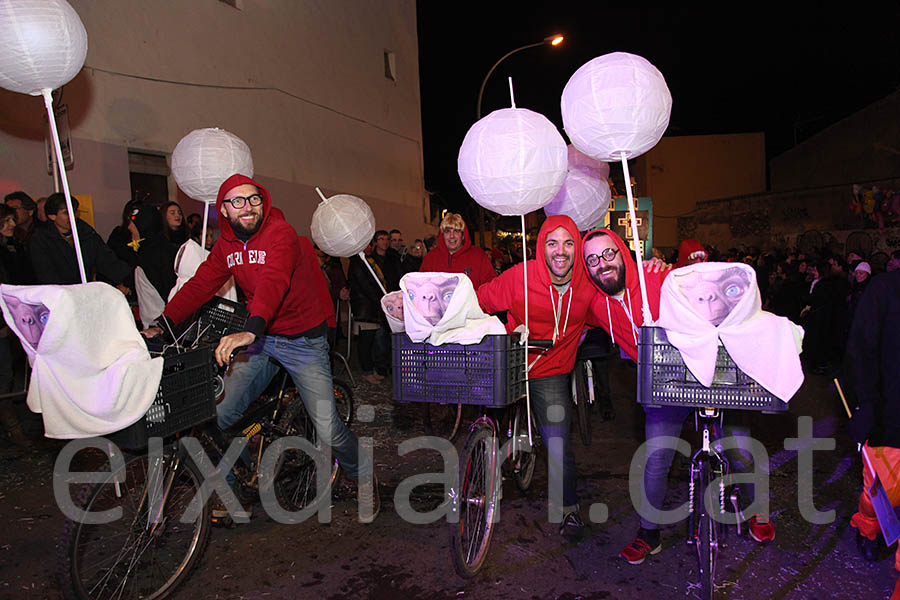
(703,303)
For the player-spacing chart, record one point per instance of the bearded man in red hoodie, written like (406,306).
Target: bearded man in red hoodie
(274,268)
(617,307)
(558,301)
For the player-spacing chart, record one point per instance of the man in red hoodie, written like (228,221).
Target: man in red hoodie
(617,307)
(455,253)
(558,301)
(274,268)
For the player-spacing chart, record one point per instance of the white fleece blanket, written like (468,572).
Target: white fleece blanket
(706,302)
(442,308)
(189,258)
(91,372)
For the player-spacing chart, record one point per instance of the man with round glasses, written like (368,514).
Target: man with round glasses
(288,322)
(617,307)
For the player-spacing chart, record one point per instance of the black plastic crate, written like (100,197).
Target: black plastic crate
(220,317)
(664,380)
(184,399)
(490,373)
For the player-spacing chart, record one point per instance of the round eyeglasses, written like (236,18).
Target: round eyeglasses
(608,254)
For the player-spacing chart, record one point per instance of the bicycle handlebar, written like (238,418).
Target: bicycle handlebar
(545,344)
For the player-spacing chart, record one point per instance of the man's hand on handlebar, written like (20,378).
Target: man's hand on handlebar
(151,332)
(229,343)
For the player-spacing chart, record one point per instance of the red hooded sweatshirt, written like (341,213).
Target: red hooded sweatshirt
(622,316)
(687,248)
(469,259)
(272,268)
(551,315)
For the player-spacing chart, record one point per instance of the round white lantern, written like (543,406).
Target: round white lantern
(343,225)
(512,161)
(44,45)
(584,197)
(580,160)
(205,158)
(616,103)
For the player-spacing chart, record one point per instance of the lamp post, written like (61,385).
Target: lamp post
(550,40)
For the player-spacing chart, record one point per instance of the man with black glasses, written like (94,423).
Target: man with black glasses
(287,322)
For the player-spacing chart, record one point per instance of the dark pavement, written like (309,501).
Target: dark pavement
(528,559)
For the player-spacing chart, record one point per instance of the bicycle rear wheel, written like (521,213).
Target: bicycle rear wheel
(295,474)
(524,456)
(133,556)
(581,402)
(343,401)
(479,488)
(442,419)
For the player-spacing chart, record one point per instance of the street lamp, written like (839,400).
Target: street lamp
(550,40)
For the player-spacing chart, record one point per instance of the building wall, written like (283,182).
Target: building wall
(320,112)
(864,147)
(681,171)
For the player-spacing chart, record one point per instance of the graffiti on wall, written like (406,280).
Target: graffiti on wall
(875,207)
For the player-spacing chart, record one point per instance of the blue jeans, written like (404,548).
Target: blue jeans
(668,421)
(307,362)
(551,403)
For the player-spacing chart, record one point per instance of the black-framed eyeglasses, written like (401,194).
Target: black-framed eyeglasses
(608,254)
(239,201)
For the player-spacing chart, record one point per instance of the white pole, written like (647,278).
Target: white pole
(48,102)
(527,331)
(645,309)
(205,219)
(362,255)
(512,99)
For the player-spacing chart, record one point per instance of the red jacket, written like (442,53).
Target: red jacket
(612,314)
(549,311)
(469,259)
(273,269)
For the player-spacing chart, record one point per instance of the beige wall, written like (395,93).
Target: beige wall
(681,171)
(327,115)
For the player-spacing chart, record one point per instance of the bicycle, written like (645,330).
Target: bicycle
(664,380)
(164,527)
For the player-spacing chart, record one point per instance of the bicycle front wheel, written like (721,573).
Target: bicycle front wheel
(707,541)
(524,456)
(155,544)
(343,401)
(581,402)
(442,420)
(476,501)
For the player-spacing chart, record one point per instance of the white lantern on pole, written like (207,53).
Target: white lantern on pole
(584,196)
(204,159)
(512,161)
(616,107)
(616,103)
(343,225)
(44,45)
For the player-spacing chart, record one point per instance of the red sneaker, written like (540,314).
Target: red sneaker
(637,551)
(761,532)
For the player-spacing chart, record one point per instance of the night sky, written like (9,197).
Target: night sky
(789,71)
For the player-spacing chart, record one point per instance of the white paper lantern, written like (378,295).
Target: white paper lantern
(583,196)
(43,46)
(343,225)
(205,158)
(616,103)
(580,160)
(512,161)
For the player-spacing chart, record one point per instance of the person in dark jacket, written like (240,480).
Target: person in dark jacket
(52,250)
(370,322)
(387,259)
(870,374)
(280,277)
